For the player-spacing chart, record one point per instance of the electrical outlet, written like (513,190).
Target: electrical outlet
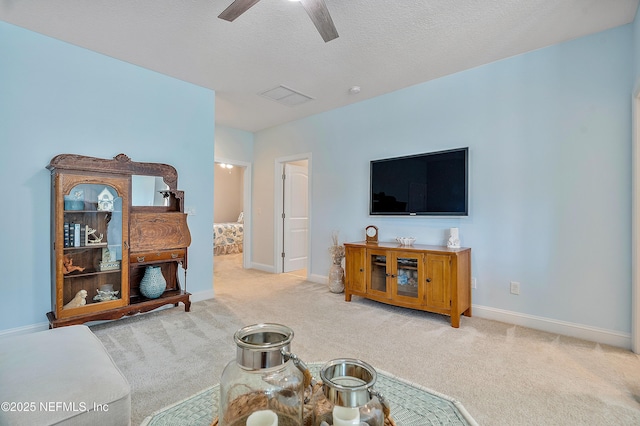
(191,211)
(474,282)
(515,287)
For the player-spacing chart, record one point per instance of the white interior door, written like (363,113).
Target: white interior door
(295,217)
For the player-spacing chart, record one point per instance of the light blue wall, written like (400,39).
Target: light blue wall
(636,47)
(234,144)
(57,98)
(549,134)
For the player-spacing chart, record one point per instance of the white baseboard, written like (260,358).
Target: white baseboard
(42,326)
(195,297)
(263,267)
(320,279)
(580,331)
(202,295)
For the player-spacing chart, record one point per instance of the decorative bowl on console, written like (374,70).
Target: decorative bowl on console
(406,241)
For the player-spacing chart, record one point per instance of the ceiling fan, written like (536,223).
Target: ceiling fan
(316,9)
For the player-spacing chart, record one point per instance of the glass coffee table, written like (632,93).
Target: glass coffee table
(411,405)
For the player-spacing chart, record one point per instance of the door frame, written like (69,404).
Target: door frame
(277,205)
(635,222)
(246,207)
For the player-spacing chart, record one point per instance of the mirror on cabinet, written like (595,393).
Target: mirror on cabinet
(149,191)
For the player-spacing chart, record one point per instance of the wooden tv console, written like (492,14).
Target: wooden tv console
(430,278)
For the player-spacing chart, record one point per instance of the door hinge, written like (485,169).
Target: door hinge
(449,302)
(284,176)
(283,255)
(283,215)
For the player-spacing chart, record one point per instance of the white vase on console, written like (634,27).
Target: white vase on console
(454,238)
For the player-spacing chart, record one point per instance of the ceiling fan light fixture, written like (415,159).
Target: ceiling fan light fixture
(316,9)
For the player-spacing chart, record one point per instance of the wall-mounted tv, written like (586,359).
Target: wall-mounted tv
(434,183)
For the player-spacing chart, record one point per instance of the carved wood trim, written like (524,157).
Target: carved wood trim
(169,298)
(120,164)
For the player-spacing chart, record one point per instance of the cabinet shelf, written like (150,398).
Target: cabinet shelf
(167,295)
(90,246)
(91,211)
(409,293)
(90,273)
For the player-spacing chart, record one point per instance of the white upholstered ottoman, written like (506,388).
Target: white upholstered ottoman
(62,376)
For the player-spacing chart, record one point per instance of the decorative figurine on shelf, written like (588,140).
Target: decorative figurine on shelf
(109,262)
(78,300)
(108,255)
(106,292)
(454,238)
(105,201)
(92,238)
(74,201)
(68,266)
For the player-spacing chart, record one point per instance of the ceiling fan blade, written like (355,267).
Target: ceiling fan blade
(319,14)
(237,8)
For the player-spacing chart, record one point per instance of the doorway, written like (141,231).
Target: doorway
(232,211)
(292,214)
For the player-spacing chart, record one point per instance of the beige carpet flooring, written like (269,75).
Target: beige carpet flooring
(502,374)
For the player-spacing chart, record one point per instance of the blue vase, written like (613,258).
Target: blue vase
(153,283)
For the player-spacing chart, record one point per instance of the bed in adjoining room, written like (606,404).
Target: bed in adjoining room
(228,237)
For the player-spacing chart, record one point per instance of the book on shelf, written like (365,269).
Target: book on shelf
(66,235)
(83,235)
(76,235)
(72,242)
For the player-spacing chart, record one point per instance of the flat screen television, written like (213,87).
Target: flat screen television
(434,183)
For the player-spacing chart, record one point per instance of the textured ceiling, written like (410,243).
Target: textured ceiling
(384,45)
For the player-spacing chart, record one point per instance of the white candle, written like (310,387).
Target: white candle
(263,418)
(346,416)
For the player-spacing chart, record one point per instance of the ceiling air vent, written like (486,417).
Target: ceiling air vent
(286,96)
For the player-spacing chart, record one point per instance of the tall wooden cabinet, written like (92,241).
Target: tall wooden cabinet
(110,220)
(430,278)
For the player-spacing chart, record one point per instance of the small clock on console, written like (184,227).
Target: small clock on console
(372,234)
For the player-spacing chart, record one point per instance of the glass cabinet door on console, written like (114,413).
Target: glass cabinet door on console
(397,276)
(90,244)
(378,273)
(406,278)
